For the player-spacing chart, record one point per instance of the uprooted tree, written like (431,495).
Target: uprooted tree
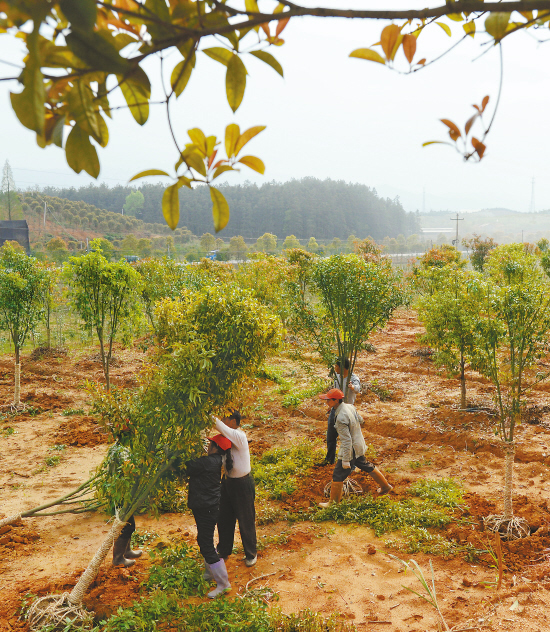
(23,283)
(211,340)
(81,51)
(512,337)
(343,300)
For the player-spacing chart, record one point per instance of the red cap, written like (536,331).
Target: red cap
(222,441)
(334,393)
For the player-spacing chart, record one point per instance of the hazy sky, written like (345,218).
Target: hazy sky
(340,118)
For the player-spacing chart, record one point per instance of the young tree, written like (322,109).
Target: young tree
(347,298)
(513,333)
(57,249)
(208,242)
(10,201)
(134,203)
(213,339)
(451,318)
(52,297)
(480,249)
(291,242)
(267,243)
(312,245)
(23,283)
(238,247)
(104,295)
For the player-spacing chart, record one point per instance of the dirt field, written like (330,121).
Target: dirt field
(418,433)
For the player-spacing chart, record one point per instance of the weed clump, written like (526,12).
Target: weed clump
(444,492)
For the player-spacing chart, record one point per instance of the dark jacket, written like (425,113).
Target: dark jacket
(204,482)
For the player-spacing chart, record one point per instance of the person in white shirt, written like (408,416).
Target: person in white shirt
(238,493)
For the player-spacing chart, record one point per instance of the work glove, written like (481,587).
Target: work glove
(346,465)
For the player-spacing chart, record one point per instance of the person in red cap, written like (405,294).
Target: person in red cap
(352,447)
(205,475)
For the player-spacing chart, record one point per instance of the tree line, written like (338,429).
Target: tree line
(306,208)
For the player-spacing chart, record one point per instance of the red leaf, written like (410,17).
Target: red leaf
(409,47)
(470,122)
(484,103)
(265,27)
(454,132)
(421,62)
(211,159)
(281,26)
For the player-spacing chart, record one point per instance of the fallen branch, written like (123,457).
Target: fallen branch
(255,579)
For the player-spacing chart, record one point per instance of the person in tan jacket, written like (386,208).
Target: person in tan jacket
(352,448)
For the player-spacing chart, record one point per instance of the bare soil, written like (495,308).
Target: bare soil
(418,432)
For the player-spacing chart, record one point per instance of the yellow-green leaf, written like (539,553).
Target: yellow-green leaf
(171,205)
(232,134)
(181,75)
(149,172)
(81,108)
(253,163)
(457,17)
(470,28)
(222,169)
(220,209)
(235,82)
(194,160)
(252,6)
(496,25)
(269,60)
(136,89)
(198,138)
(97,50)
(368,54)
(445,27)
(220,54)
(80,153)
(247,136)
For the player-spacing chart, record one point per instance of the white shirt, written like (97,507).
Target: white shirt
(239,449)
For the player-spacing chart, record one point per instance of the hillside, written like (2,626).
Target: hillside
(306,208)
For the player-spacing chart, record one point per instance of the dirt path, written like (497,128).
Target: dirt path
(418,432)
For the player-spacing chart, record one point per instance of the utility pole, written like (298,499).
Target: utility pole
(456,219)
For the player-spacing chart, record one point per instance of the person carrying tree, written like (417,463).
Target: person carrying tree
(238,493)
(354,387)
(352,447)
(204,501)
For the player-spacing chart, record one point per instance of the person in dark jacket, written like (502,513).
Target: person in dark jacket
(204,501)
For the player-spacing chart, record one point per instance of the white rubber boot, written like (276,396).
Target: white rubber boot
(219,572)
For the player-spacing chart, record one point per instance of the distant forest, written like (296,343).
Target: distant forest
(306,208)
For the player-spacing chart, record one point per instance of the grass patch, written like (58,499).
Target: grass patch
(445,492)
(52,461)
(295,398)
(7,431)
(384,514)
(278,470)
(73,411)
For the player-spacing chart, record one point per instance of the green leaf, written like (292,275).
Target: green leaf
(368,54)
(181,75)
(136,89)
(149,172)
(81,108)
(220,209)
(81,14)
(445,27)
(171,205)
(232,134)
(253,163)
(81,154)
(235,82)
(97,50)
(251,6)
(220,54)
(269,60)
(247,136)
(57,133)
(470,28)
(496,25)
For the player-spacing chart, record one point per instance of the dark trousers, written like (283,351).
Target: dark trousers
(128,529)
(332,437)
(205,520)
(340,474)
(237,503)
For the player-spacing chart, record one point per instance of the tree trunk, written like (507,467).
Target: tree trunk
(17,392)
(462,383)
(509,452)
(88,576)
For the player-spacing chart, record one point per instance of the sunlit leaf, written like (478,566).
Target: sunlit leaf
(220,209)
(445,27)
(251,6)
(219,170)
(457,17)
(484,103)
(232,133)
(269,60)
(220,54)
(199,139)
(409,47)
(479,147)
(469,28)
(80,153)
(496,25)
(388,39)
(253,163)
(368,54)
(435,142)
(454,132)
(194,160)
(470,122)
(281,26)
(181,75)
(235,82)
(136,89)
(171,205)
(247,136)
(149,172)
(396,46)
